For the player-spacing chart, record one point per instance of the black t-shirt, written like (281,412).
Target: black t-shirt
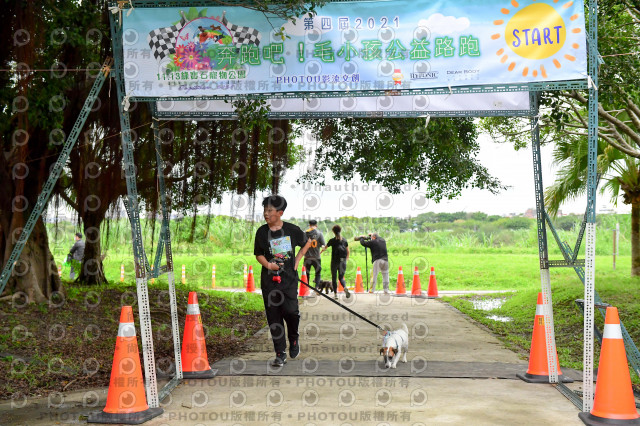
(378,248)
(338,249)
(314,250)
(279,244)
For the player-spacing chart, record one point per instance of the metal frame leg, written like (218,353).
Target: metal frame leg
(552,362)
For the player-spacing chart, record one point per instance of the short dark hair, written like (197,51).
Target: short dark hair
(79,235)
(313,222)
(276,201)
(336,229)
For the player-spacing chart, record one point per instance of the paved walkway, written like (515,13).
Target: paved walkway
(457,374)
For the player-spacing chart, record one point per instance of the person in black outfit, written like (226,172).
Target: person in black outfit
(274,248)
(379,259)
(339,257)
(312,256)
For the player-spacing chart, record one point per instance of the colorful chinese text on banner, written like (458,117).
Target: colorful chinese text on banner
(350,46)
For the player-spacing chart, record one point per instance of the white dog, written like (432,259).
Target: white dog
(394,344)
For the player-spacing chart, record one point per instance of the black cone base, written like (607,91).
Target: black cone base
(127,419)
(535,378)
(206,374)
(590,419)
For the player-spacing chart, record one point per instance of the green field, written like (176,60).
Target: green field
(466,254)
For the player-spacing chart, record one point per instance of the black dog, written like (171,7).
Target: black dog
(325,286)
(328,285)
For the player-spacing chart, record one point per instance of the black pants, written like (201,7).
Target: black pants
(338,269)
(308,263)
(280,306)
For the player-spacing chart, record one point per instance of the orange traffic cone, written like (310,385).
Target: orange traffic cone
(304,290)
(359,288)
(195,363)
(416,288)
(251,287)
(340,288)
(126,399)
(613,402)
(432,290)
(538,371)
(400,289)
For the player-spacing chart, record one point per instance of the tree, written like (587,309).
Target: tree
(621,175)
(25,137)
(67,36)
(479,216)
(395,152)
(564,116)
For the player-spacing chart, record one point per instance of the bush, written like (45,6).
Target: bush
(518,223)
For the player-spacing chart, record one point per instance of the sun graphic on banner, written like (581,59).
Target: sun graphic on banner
(534,36)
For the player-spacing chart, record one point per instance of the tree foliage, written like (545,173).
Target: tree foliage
(396,152)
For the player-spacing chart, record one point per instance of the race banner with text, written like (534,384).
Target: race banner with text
(352,46)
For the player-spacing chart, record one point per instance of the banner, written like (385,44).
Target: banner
(377,106)
(352,46)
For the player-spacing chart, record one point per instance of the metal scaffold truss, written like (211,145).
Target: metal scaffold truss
(144,270)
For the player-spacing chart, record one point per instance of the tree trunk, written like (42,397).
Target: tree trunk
(635,239)
(24,166)
(92,271)
(192,233)
(36,272)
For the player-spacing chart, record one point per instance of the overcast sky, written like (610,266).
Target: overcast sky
(513,168)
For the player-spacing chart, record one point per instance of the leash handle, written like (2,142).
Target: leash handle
(342,306)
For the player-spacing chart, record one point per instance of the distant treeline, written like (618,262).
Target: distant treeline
(469,232)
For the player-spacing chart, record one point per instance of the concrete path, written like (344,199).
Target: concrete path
(457,373)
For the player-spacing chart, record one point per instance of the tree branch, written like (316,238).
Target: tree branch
(634,112)
(69,201)
(608,117)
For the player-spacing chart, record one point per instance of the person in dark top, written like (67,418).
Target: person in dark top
(76,253)
(339,257)
(274,248)
(312,256)
(379,259)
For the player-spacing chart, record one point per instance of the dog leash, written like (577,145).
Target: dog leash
(342,306)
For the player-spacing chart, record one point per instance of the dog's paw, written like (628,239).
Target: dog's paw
(393,366)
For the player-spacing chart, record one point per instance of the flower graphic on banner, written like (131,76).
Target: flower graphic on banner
(203,44)
(535,36)
(198,42)
(191,57)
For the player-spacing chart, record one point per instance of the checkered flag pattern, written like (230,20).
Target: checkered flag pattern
(242,35)
(162,41)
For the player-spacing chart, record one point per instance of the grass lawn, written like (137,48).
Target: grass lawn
(614,287)
(34,362)
(69,344)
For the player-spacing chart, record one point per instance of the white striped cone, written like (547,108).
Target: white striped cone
(195,363)
(613,402)
(184,274)
(400,286)
(358,285)
(245,276)
(432,289)
(213,276)
(126,399)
